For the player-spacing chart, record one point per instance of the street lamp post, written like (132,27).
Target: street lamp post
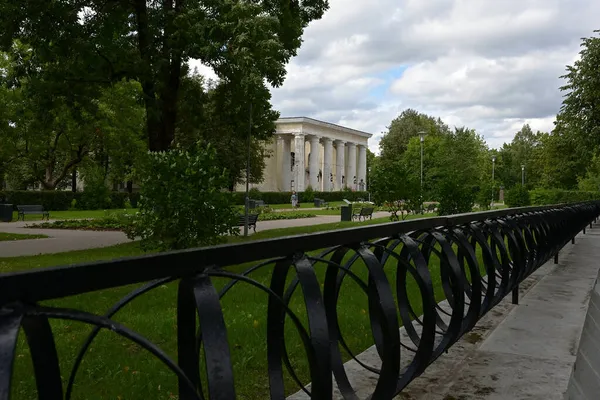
(247,202)
(493,178)
(522,174)
(422,133)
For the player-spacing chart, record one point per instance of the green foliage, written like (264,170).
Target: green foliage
(580,113)
(517,196)
(50,199)
(393,186)
(220,116)
(182,204)
(455,197)
(237,198)
(114,222)
(59,200)
(254,194)
(91,45)
(483,195)
(275,216)
(456,172)
(540,197)
(96,195)
(406,126)
(308,195)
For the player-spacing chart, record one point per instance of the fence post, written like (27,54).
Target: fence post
(515,295)
(556,258)
(573,240)
(584,231)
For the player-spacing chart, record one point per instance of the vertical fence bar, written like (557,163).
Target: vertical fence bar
(515,295)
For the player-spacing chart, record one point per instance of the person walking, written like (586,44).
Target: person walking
(294,199)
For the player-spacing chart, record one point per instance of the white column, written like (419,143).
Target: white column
(339,164)
(327,161)
(299,162)
(286,164)
(313,162)
(351,165)
(362,166)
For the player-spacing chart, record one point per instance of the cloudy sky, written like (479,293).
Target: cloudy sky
(491,65)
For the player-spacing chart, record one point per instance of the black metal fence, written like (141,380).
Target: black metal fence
(482,257)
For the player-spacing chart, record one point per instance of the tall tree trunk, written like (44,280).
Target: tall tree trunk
(74,180)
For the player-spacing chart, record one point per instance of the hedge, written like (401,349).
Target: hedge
(62,200)
(541,197)
(238,198)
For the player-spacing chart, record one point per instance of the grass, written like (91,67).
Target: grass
(76,214)
(4,237)
(115,368)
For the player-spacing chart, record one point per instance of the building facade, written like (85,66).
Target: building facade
(306,151)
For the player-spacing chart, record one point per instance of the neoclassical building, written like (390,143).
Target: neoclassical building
(306,151)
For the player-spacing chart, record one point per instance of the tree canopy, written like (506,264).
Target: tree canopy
(91,44)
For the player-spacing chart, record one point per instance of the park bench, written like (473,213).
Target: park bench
(320,202)
(252,219)
(256,203)
(364,213)
(32,209)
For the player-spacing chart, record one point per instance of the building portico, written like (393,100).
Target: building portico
(306,151)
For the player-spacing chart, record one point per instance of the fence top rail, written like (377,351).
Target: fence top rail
(56,282)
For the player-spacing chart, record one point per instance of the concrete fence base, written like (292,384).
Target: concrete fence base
(585,378)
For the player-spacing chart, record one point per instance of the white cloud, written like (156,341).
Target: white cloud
(491,66)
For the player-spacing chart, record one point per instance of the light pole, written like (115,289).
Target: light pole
(493,182)
(522,174)
(422,136)
(247,203)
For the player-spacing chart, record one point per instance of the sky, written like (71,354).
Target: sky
(490,65)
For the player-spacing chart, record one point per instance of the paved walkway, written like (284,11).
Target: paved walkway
(318,220)
(524,351)
(61,240)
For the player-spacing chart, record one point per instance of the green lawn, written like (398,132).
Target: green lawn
(115,368)
(76,214)
(18,236)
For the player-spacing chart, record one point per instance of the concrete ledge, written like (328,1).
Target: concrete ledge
(585,378)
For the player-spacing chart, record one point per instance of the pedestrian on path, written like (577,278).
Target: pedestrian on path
(294,199)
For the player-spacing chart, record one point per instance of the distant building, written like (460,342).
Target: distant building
(306,151)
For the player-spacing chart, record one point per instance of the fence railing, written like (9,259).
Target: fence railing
(471,260)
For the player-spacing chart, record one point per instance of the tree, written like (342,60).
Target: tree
(526,149)
(94,43)
(580,112)
(221,117)
(392,184)
(406,126)
(563,160)
(457,171)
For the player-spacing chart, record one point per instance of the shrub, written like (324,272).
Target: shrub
(96,195)
(283,215)
(116,222)
(455,197)
(51,200)
(237,198)
(557,196)
(182,204)
(518,196)
(58,200)
(308,195)
(255,194)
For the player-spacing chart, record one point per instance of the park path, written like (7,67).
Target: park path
(61,240)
